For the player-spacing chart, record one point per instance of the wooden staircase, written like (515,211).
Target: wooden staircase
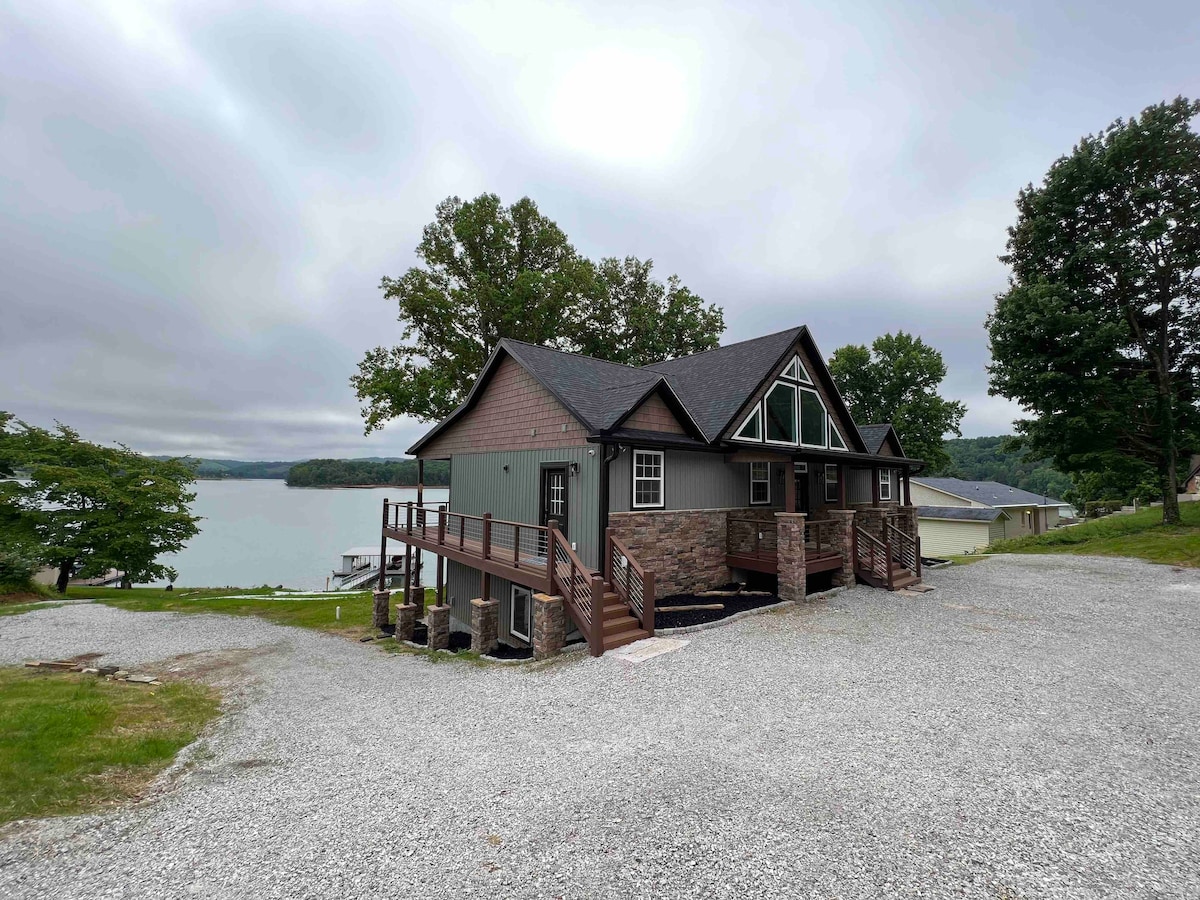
(619,626)
(892,564)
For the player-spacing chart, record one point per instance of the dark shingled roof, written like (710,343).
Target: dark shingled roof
(962,513)
(598,392)
(715,383)
(874,436)
(993,493)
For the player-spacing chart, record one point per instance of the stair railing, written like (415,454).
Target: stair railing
(906,549)
(581,589)
(873,556)
(633,584)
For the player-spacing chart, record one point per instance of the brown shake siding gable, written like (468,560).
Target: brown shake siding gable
(514,412)
(654,415)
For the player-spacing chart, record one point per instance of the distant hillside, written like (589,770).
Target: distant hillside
(981,459)
(335,472)
(238,468)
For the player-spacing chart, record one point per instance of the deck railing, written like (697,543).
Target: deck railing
(581,589)
(873,556)
(751,537)
(516,544)
(631,582)
(817,537)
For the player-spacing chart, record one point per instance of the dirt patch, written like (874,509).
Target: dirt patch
(15,599)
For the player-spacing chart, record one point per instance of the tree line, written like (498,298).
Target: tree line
(335,472)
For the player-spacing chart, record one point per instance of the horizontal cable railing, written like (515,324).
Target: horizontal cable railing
(873,556)
(517,544)
(630,581)
(904,548)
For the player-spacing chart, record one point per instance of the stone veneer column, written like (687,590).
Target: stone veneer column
(906,520)
(485,625)
(437,618)
(549,626)
(416,598)
(870,519)
(792,566)
(379,615)
(843,540)
(406,618)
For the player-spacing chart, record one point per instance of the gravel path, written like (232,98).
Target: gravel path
(1029,729)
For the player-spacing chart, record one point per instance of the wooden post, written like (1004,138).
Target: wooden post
(551,529)
(441,582)
(487,536)
(874,486)
(516,546)
(441,532)
(485,586)
(907,488)
(606,564)
(408,573)
(596,641)
(648,602)
(408,520)
(789,488)
(383,549)
(841,473)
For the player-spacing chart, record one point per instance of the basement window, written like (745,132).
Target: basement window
(760,483)
(647,479)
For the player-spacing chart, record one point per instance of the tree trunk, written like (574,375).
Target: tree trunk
(64,575)
(1171,493)
(126,582)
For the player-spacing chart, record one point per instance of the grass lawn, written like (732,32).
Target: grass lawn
(305,612)
(71,743)
(1140,535)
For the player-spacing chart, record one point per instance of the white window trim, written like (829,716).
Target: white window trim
(512,610)
(804,378)
(885,481)
(828,482)
(795,411)
(762,429)
(800,423)
(754,481)
(661,479)
(832,430)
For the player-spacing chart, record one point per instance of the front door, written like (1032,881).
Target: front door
(801,476)
(554,496)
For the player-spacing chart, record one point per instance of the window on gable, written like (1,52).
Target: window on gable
(780,405)
(885,484)
(647,478)
(760,483)
(813,420)
(831,483)
(751,429)
(796,371)
(835,437)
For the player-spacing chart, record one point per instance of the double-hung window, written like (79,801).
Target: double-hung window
(831,483)
(885,484)
(647,479)
(760,483)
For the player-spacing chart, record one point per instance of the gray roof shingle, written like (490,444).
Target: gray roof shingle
(961,513)
(874,436)
(993,493)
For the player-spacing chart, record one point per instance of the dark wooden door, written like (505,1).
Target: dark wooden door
(554,496)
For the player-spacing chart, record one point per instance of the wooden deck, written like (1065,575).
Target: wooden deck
(519,567)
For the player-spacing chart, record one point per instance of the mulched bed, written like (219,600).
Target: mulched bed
(733,605)
(460,640)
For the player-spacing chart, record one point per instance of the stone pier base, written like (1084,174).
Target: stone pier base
(485,625)
(416,598)
(793,571)
(379,616)
(406,618)
(438,620)
(549,626)
(842,538)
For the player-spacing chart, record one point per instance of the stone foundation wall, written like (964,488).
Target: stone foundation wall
(684,548)
(792,569)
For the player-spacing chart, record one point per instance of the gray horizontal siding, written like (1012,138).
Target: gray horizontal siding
(479,484)
(692,481)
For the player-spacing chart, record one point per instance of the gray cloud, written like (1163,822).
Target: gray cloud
(197,202)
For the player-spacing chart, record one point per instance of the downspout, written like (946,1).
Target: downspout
(605,459)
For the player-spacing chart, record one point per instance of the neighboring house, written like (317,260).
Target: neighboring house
(609,485)
(958,516)
(1191,484)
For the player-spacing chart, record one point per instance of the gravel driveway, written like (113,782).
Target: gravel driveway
(1029,729)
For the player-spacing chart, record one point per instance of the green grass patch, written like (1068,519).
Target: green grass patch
(23,592)
(317,612)
(967,559)
(71,743)
(1140,535)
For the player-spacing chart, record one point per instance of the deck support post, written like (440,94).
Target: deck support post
(792,565)
(421,507)
(408,571)
(439,595)
(437,619)
(789,487)
(485,585)
(841,538)
(549,626)
(485,625)
(383,549)
(406,620)
(380,613)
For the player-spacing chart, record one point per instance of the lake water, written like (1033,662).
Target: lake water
(264,532)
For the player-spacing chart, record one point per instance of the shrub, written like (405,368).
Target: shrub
(1093,509)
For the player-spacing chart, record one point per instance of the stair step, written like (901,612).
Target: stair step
(611,596)
(624,623)
(615,610)
(899,584)
(612,641)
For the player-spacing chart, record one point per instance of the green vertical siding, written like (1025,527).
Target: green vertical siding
(479,484)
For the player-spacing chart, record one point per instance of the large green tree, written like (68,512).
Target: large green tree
(86,509)
(897,381)
(490,271)
(1098,335)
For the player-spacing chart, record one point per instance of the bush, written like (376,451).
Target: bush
(16,569)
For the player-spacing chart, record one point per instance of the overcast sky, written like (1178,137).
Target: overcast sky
(197,201)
